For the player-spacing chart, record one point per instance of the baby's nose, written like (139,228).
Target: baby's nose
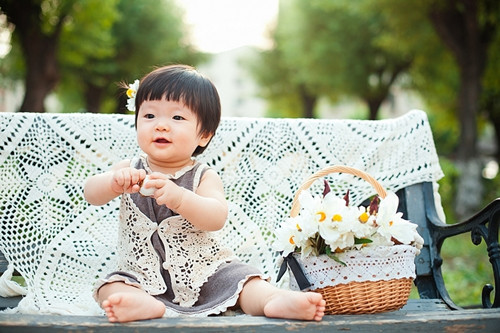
(162,126)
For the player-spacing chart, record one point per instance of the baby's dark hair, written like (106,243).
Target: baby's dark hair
(182,83)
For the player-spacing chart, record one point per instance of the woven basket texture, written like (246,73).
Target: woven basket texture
(358,297)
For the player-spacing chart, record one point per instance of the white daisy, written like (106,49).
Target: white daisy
(131,92)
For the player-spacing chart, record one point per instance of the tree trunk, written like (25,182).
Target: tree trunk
(121,105)
(457,24)
(377,94)
(93,97)
(373,107)
(491,106)
(496,124)
(470,188)
(39,49)
(42,70)
(308,103)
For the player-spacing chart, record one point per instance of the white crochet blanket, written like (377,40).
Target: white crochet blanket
(61,245)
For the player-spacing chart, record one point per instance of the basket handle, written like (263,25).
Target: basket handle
(331,169)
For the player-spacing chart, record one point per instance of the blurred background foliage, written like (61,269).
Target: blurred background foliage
(446,51)
(81,49)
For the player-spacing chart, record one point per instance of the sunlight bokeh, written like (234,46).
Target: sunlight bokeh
(222,25)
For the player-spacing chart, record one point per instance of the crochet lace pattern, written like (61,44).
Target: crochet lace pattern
(191,255)
(368,264)
(61,245)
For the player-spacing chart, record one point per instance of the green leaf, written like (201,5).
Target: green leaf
(331,255)
(362,240)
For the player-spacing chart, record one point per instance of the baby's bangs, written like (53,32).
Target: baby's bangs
(185,87)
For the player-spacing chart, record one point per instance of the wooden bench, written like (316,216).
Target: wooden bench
(59,244)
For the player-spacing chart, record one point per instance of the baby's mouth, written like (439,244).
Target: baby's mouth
(161,140)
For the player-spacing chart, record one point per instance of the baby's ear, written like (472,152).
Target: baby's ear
(204,139)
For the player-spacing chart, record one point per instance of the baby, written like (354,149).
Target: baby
(170,264)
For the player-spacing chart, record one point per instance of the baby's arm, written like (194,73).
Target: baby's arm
(104,187)
(206,209)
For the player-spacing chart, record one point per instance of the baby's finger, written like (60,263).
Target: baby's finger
(158,183)
(160,196)
(142,174)
(135,188)
(127,179)
(135,176)
(157,175)
(119,178)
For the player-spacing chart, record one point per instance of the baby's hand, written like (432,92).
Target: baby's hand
(150,184)
(166,191)
(147,190)
(126,180)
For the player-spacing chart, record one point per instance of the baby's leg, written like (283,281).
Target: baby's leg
(259,297)
(123,303)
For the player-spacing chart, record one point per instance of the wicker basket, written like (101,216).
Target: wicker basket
(357,297)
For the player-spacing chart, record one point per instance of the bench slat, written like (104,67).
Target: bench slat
(3,263)
(431,313)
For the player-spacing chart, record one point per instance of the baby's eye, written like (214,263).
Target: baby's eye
(149,116)
(178,117)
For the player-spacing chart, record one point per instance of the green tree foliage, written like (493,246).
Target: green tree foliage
(467,29)
(283,95)
(447,50)
(329,49)
(454,80)
(284,82)
(147,33)
(86,47)
(450,75)
(82,48)
(12,66)
(367,66)
(38,27)
(433,73)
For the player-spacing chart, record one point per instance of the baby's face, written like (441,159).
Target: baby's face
(167,132)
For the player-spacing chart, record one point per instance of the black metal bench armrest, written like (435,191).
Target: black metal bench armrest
(482,226)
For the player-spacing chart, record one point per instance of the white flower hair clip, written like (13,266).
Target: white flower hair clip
(131,92)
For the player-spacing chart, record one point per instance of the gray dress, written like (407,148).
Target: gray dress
(218,291)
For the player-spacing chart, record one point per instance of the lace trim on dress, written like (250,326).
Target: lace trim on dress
(220,308)
(111,279)
(177,174)
(191,257)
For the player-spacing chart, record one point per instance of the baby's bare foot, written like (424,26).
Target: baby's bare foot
(123,307)
(296,305)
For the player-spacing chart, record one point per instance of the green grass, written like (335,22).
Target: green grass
(19,280)
(466,269)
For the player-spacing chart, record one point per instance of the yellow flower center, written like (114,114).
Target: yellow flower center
(130,92)
(337,218)
(291,240)
(322,216)
(298,227)
(391,223)
(363,218)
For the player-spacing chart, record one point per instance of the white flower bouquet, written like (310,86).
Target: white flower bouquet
(335,244)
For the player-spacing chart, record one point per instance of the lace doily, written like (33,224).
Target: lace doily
(61,245)
(191,255)
(368,264)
